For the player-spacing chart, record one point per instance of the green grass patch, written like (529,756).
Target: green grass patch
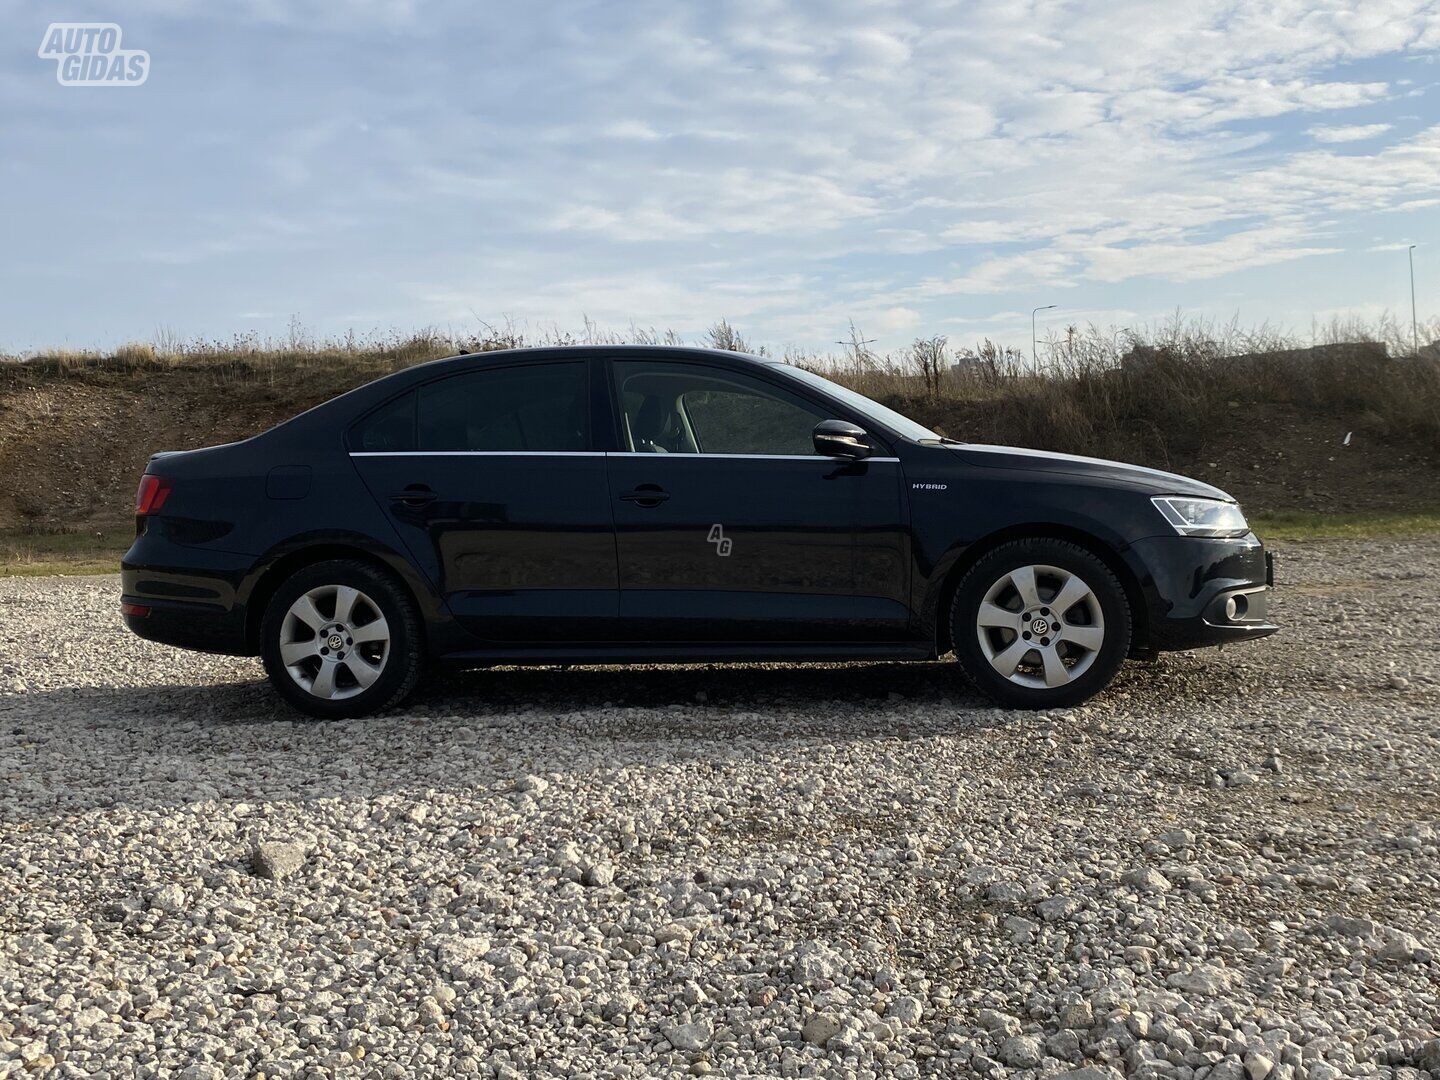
(1306,525)
(25,553)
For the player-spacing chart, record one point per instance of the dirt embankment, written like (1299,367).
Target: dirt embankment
(72,448)
(73,443)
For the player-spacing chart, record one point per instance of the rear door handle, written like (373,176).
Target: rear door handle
(414,495)
(646,495)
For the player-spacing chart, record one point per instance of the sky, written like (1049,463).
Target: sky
(917,168)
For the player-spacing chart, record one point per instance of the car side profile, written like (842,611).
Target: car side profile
(651,505)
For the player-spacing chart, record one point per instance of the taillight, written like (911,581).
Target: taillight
(151,494)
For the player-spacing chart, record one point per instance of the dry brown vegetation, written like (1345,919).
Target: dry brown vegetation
(1163,398)
(1259,413)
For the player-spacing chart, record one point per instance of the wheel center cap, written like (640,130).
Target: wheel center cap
(336,641)
(1040,625)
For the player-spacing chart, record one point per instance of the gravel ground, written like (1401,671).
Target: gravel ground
(1226,867)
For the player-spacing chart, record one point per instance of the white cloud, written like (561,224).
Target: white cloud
(1344,133)
(793,166)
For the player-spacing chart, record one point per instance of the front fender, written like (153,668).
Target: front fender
(950,535)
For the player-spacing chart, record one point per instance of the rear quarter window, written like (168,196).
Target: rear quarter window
(390,428)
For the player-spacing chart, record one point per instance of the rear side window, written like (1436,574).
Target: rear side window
(536,407)
(389,429)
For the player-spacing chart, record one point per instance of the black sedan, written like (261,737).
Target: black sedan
(644,505)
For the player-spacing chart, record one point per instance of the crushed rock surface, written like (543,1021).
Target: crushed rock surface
(1225,868)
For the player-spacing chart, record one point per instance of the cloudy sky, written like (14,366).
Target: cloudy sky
(917,167)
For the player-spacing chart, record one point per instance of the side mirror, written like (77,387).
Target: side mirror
(840,438)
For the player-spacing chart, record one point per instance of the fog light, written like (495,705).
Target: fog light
(1236,608)
(139,611)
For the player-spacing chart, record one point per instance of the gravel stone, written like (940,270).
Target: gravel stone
(598,874)
(928,886)
(1089,1072)
(821,1028)
(693,1036)
(275,859)
(1147,880)
(1022,1051)
(169,899)
(907,1009)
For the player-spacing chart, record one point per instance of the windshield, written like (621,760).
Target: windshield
(896,422)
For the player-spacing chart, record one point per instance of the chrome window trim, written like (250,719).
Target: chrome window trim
(747,457)
(602,453)
(477,453)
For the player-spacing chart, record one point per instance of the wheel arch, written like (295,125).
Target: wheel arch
(279,569)
(1095,545)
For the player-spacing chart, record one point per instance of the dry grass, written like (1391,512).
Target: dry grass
(75,427)
(33,553)
(1159,396)
(1154,396)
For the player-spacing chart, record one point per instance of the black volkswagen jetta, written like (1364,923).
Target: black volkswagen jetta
(643,504)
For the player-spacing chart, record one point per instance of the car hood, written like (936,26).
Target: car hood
(1150,480)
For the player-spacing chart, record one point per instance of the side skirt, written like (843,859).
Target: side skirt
(698,653)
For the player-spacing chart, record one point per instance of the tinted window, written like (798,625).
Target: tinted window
(389,428)
(535,407)
(692,409)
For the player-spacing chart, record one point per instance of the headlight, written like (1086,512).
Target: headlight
(1201,517)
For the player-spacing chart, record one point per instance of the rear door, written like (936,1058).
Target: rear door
(491,479)
(730,528)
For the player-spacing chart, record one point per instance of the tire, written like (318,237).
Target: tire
(1009,593)
(368,614)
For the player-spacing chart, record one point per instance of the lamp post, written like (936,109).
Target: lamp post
(1414,322)
(1047,307)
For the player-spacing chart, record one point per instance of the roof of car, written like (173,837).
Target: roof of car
(672,352)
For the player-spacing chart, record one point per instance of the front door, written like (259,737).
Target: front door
(491,480)
(730,528)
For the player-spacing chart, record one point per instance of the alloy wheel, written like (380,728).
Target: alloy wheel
(334,642)
(1040,626)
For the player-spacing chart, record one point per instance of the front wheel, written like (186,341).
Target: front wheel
(1040,624)
(341,639)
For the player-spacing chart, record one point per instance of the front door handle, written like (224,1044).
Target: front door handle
(415,495)
(646,495)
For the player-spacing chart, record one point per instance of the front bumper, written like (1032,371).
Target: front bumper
(1201,591)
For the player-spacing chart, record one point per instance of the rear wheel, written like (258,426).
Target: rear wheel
(1040,624)
(340,639)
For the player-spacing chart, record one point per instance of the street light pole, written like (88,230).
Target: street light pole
(1414,322)
(1047,307)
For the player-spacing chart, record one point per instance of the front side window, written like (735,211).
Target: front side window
(537,407)
(694,409)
